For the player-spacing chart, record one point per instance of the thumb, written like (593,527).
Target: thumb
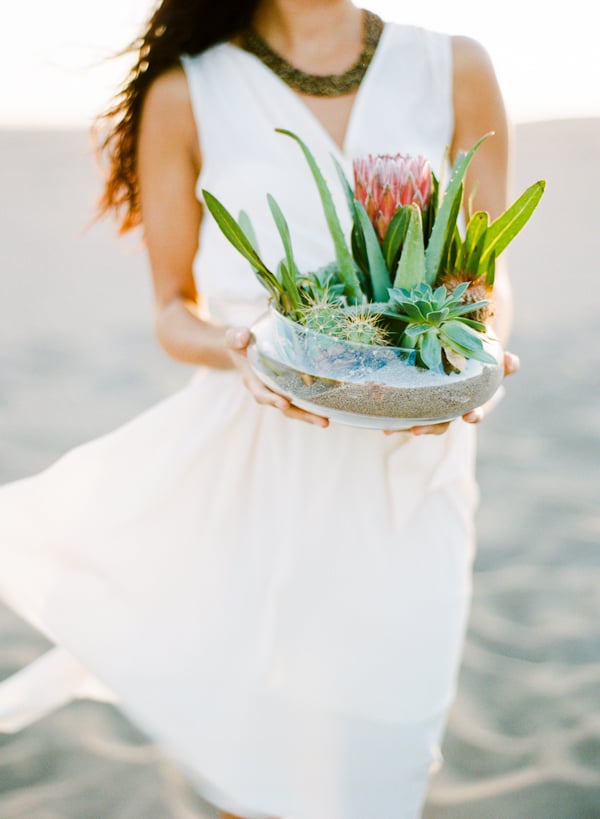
(237,338)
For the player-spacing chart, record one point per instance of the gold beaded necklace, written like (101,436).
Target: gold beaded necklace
(330,85)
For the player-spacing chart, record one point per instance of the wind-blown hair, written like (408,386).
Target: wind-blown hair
(176,27)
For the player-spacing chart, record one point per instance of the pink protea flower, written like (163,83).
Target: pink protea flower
(385,183)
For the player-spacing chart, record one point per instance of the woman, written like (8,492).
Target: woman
(281,607)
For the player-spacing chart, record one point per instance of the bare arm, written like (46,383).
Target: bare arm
(478,109)
(168,167)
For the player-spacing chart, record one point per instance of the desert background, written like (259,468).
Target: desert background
(78,358)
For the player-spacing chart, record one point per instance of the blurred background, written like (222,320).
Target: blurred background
(78,358)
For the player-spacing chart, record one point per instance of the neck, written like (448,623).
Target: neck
(311,31)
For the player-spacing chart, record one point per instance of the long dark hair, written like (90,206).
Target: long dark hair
(176,27)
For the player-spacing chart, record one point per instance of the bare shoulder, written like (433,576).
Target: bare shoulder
(474,77)
(477,99)
(169,91)
(469,55)
(167,112)
(478,110)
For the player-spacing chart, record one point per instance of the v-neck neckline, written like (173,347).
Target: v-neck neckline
(308,113)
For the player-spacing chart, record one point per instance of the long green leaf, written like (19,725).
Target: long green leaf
(380,278)
(233,232)
(451,234)
(290,269)
(453,255)
(443,226)
(411,267)
(248,228)
(474,242)
(431,210)
(490,269)
(357,238)
(504,229)
(346,187)
(290,299)
(347,270)
(395,236)
(359,249)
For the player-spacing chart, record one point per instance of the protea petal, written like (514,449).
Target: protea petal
(384,183)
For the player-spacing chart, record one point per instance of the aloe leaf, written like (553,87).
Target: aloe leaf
(431,349)
(474,242)
(395,236)
(411,267)
(504,229)
(344,258)
(347,188)
(430,213)
(447,214)
(357,238)
(236,236)
(490,269)
(452,233)
(380,278)
(359,249)
(454,251)
(290,272)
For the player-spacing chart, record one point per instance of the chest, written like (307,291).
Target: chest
(333,113)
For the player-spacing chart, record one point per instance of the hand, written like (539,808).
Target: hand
(511,366)
(237,340)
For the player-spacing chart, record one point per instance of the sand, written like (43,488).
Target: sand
(77,358)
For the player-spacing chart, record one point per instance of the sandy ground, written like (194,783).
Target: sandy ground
(77,358)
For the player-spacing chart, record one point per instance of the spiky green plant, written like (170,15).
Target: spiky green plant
(323,283)
(438,328)
(363,328)
(323,316)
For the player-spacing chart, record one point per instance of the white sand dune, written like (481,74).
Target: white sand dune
(77,358)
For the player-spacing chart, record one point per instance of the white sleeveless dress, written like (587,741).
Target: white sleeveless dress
(281,607)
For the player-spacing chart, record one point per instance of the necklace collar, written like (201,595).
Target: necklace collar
(317,85)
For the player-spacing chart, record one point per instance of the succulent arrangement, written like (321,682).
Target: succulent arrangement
(406,277)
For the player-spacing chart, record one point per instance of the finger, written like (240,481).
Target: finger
(267,398)
(308,417)
(264,396)
(512,364)
(238,338)
(431,429)
(475,416)
(259,391)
